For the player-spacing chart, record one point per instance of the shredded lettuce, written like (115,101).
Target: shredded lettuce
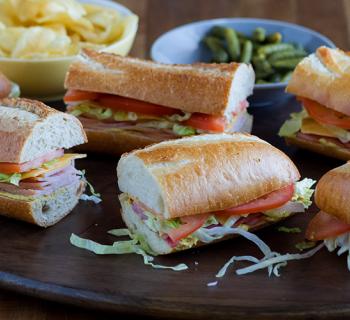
(293,125)
(343,242)
(13,178)
(122,247)
(179,117)
(288,229)
(183,130)
(92,109)
(94,195)
(303,245)
(303,192)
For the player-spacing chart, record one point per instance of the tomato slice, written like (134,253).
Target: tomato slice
(206,122)
(270,201)
(323,226)
(190,225)
(9,168)
(78,95)
(325,115)
(132,105)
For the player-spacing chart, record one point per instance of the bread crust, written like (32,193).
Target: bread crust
(115,142)
(18,134)
(325,78)
(207,176)
(327,150)
(31,211)
(332,193)
(200,87)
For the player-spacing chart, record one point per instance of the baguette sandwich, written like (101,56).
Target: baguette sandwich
(322,84)
(38,181)
(184,193)
(332,223)
(127,103)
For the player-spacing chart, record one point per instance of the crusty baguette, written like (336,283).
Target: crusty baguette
(204,173)
(208,88)
(158,245)
(332,193)
(29,129)
(327,150)
(43,211)
(324,76)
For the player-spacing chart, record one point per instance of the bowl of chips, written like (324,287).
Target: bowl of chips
(40,38)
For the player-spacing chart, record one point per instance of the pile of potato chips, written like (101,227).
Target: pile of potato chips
(36,29)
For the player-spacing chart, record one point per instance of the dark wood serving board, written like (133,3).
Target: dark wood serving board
(42,263)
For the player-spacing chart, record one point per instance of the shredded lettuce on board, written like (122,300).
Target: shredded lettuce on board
(95,197)
(121,247)
(289,229)
(303,245)
(343,242)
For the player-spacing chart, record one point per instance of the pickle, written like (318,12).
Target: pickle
(259,35)
(233,45)
(275,47)
(247,52)
(274,38)
(219,54)
(286,63)
(287,54)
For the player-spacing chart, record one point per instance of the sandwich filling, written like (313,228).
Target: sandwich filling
(187,231)
(40,176)
(99,111)
(334,232)
(318,124)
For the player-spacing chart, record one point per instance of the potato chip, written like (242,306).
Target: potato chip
(50,28)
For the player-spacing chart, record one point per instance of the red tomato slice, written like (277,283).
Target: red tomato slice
(9,168)
(78,95)
(206,122)
(325,115)
(190,225)
(323,226)
(132,105)
(270,201)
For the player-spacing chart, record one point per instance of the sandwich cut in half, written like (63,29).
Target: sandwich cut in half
(321,82)
(332,223)
(184,193)
(127,103)
(38,181)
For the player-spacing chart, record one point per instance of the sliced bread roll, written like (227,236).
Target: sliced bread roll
(214,89)
(204,173)
(29,129)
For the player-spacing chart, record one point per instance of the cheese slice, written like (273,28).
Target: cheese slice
(310,126)
(52,165)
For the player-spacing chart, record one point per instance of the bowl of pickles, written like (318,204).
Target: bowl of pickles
(273,48)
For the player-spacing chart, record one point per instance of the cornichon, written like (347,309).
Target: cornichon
(273,60)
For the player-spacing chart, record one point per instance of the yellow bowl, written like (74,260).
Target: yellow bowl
(43,78)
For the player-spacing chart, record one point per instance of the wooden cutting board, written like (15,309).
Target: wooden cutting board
(42,263)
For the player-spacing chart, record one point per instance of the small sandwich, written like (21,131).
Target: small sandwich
(321,83)
(8,89)
(38,181)
(184,193)
(127,103)
(332,223)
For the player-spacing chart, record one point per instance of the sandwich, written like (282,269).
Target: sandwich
(332,224)
(38,181)
(184,193)
(8,89)
(321,83)
(127,103)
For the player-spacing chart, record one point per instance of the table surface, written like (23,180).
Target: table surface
(331,18)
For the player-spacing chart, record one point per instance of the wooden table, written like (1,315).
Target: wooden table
(332,18)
